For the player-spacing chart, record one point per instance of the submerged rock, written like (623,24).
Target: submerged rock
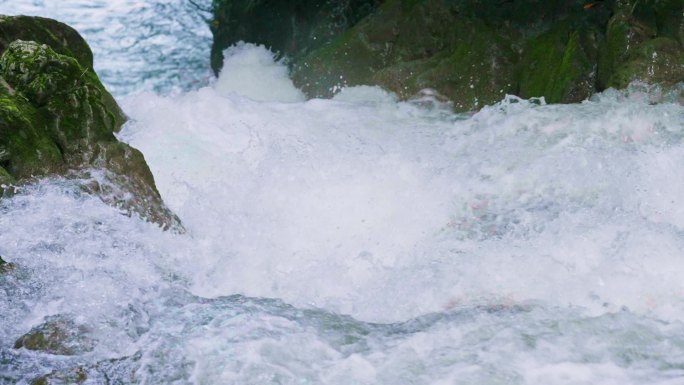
(656,61)
(56,117)
(111,371)
(66,377)
(6,267)
(57,335)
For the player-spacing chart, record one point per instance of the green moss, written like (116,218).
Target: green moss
(26,147)
(58,335)
(660,60)
(556,65)
(623,33)
(408,46)
(59,36)
(56,116)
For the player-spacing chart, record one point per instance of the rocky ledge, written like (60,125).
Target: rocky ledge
(473,52)
(56,118)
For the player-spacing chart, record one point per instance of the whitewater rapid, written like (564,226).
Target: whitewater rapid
(363,240)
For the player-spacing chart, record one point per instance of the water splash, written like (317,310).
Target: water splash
(138,45)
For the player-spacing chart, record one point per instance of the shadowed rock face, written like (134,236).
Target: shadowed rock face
(473,52)
(56,117)
(291,27)
(58,36)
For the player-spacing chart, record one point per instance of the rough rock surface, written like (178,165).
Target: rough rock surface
(291,27)
(472,52)
(56,117)
(57,335)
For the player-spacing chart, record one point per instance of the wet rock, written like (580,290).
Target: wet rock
(623,33)
(112,371)
(57,335)
(56,117)
(68,377)
(58,36)
(290,27)
(408,47)
(6,267)
(560,65)
(656,61)
(6,180)
(474,51)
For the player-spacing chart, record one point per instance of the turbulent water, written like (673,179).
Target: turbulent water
(358,240)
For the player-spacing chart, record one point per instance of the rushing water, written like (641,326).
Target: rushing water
(358,240)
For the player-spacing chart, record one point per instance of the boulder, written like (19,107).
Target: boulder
(655,61)
(58,36)
(289,27)
(56,118)
(408,47)
(472,52)
(560,65)
(57,335)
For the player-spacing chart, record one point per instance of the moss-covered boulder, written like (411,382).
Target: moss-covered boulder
(470,51)
(58,36)
(656,61)
(56,118)
(560,65)
(466,50)
(57,335)
(288,27)
(409,46)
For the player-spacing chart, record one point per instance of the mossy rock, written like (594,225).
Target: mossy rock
(656,61)
(290,28)
(59,36)
(559,65)
(74,376)
(56,117)
(669,16)
(409,46)
(57,335)
(476,51)
(476,71)
(27,149)
(111,371)
(623,32)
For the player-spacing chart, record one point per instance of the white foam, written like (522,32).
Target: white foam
(250,70)
(385,211)
(526,229)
